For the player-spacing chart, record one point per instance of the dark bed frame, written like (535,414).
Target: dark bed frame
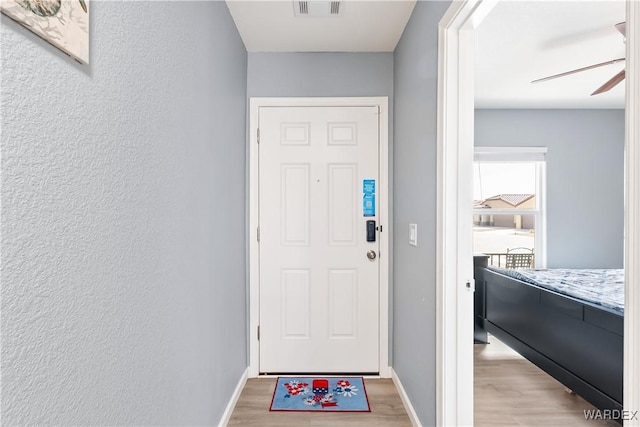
(578,343)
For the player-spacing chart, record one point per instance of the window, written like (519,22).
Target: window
(509,206)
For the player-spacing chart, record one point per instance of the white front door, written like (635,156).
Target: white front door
(319,274)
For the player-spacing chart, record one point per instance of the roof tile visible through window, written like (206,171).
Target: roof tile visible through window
(512,199)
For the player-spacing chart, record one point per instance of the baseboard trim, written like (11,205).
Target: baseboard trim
(226,416)
(415,421)
(385,372)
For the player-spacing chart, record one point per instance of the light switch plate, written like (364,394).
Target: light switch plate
(413,234)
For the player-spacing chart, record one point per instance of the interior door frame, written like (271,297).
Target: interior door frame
(454,358)
(384,206)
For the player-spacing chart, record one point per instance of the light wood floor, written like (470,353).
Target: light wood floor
(252,408)
(511,391)
(508,389)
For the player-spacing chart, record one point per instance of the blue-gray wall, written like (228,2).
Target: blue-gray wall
(320,74)
(414,190)
(585,178)
(123,256)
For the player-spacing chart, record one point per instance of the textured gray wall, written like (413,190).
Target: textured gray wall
(585,178)
(415,189)
(123,272)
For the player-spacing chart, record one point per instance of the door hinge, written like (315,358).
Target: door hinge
(258,135)
(258,234)
(258,332)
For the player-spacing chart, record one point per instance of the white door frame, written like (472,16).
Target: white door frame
(384,240)
(454,358)
(631,372)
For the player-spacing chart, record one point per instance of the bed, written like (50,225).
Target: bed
(567,322)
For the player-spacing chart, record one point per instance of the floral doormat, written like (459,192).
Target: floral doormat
(320,394)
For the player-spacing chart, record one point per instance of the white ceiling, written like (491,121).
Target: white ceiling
(363,26)
(519,41)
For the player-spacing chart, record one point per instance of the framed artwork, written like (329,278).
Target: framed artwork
(63,23)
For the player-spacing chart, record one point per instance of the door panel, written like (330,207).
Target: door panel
(319,293)
(342,204)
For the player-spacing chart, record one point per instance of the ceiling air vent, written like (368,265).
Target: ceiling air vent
(335,8)
(317,7)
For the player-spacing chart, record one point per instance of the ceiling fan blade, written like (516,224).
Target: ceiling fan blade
(622,28)
(611,83)
(566,73)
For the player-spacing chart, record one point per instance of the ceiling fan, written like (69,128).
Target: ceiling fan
(611,83)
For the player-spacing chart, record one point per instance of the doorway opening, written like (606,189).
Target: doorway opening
(456,110)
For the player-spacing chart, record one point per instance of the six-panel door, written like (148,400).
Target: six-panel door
(319,291)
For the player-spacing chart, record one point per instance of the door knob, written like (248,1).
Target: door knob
(371,255)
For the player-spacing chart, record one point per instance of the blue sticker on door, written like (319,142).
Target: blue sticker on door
(369,197)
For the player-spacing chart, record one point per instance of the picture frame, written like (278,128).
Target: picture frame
(63,23)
